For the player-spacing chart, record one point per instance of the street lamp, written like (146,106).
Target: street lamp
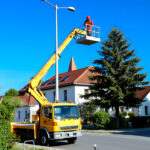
(56,7)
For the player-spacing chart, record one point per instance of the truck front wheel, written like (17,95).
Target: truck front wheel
(72,140)
(43,139)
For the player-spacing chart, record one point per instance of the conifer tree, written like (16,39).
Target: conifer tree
(117,76)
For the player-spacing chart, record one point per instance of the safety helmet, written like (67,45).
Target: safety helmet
(88,17)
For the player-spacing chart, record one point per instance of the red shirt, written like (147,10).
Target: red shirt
(88,22)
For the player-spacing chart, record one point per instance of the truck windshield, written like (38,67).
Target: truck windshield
(66,112)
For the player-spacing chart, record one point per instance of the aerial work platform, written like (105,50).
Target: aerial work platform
(92,36)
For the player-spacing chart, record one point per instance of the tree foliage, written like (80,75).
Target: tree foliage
(87,110)
(101,119)
(7,107)
(117,74)
(11,92)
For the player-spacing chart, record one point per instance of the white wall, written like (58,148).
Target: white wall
(73,93)
(70,94)
(22,113)
(145,103)
(30,110)
(79,90)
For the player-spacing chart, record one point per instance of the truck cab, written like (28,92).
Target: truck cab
(59,121)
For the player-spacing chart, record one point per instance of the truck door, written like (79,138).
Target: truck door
(46,118)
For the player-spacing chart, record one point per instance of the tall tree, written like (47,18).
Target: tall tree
(117,74)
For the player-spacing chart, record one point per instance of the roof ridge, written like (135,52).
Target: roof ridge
(74,70)
(68,72)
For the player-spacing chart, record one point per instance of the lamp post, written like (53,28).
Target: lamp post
(56,8)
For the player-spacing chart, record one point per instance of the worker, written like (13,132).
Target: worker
(88,23)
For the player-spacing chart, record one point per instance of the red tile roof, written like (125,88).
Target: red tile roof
(27,100)
(143,92)
(79,76)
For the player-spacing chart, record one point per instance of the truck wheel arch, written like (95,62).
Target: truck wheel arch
(43,130)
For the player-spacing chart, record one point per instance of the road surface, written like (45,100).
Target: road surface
(107,141)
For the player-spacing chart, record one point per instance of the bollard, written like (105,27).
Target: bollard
(28,141)
(94,146)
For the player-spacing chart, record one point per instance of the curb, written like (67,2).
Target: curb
(116,131)
(29,146)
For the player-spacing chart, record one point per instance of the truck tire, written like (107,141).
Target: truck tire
(72,140)
(43,139)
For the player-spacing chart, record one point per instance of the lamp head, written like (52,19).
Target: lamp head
(71,8)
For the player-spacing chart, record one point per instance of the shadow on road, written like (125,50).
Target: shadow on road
(145,133)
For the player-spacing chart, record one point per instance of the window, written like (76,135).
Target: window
(86,91)
(121,109)
(45,82)
(54,80)
(48,112)
(65,78)
(19,114)
(66,112)
(65,95)
(146,110)
(27,114)
(44,94)
(54,96)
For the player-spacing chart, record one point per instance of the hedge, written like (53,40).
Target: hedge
(140,122)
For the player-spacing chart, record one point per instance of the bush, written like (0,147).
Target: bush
(140,122)
(101,119)
(86,111)
(123,114)
(131,114)
(123,122)
(6,116)
(7,140)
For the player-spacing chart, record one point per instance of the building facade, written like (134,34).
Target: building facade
(72,85)
(28,112)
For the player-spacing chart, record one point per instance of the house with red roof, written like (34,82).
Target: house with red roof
(75,82)
(72,85)
(144,108)
(29,109)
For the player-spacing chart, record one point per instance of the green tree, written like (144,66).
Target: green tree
(117,74)
(11,92)
(87,110)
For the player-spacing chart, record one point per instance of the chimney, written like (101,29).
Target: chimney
(72,65)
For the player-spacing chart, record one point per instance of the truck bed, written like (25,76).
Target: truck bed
(23,125)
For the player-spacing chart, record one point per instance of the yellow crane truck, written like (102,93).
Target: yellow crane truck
(56,121)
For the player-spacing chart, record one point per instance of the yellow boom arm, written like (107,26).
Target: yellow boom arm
(33,84)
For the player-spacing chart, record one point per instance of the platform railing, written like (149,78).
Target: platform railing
(94,32)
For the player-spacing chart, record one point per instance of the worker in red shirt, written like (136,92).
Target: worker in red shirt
(88,22)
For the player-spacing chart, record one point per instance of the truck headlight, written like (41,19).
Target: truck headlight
(58,136)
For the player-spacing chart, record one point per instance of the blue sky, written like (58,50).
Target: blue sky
(27,34)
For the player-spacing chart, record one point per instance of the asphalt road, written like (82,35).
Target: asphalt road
(106,141)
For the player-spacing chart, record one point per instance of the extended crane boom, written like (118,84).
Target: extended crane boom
(33,84)
(53,121)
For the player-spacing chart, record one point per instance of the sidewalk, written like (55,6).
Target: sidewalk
(131,130)
(37,147)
